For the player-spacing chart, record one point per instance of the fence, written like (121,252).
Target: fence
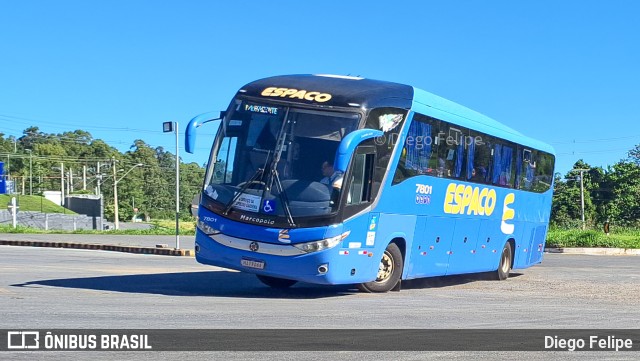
(57,221)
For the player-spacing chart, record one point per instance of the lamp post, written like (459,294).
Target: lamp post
(168,127)
(116,222)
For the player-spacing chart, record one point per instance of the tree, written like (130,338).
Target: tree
(624,206)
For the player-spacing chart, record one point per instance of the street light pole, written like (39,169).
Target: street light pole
(177,190)
(168,127)
(582,196)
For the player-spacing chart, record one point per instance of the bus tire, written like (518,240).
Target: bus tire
(389,272)
(275,282)
(504,266)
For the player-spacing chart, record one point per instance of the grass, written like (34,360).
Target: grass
(623,238)
(620,238)
(35,203)
(158,228)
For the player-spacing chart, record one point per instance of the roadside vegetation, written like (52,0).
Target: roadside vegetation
(623,238)
(611,194)
(159,228)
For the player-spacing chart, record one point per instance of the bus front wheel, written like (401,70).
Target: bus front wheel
(276,282)
(504,267)
(389,271)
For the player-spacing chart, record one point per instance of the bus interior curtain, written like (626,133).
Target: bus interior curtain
(411,161)
(471,151)
(497,164)
(426,146)
(518,169)
(418,146)
(506,160)
(459,156)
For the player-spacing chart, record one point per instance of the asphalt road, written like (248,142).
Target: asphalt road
(64,288)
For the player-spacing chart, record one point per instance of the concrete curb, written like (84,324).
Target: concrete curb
(191,253)
(103,247)
(596,251)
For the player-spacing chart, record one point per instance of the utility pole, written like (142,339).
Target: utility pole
(62,184)
(30,171)
(116,223)
(582,193)
(99,176)
(84,177)
(70,183)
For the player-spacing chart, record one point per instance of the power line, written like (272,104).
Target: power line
(597,140)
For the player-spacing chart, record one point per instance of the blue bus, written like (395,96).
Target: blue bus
(342,180)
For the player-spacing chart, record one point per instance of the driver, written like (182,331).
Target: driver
(332,178)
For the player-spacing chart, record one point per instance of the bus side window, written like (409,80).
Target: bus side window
(361,179)
(543,172)
(419,150)
(481,161)
(525,168)
(502,164)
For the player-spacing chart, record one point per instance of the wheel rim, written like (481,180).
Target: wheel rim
(386,267)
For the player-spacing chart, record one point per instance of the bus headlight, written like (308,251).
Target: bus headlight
(321,245)
(206,229)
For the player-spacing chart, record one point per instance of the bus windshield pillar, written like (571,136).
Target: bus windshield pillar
(349,144)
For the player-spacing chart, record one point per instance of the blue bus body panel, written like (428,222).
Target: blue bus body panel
(350,254)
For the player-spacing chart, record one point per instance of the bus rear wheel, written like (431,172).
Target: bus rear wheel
(389,271)
(274,282)
(504,267)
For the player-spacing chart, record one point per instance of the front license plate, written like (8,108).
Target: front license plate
(252,263)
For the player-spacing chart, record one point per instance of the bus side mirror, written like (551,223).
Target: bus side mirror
(194,124)
(349,144)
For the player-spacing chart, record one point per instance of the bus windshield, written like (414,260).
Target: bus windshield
(277,160)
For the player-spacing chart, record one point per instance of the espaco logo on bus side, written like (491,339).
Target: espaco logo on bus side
(477,201)
(296,94)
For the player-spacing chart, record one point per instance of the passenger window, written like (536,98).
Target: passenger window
(544,172)
(479,158)
(502,164)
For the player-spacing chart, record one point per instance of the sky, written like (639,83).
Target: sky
(564,72)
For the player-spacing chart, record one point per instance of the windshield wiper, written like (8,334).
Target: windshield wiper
(259,174)
(283,197)
(274,170)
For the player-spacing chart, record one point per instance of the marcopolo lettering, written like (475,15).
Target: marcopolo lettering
(257,220)
(296,94)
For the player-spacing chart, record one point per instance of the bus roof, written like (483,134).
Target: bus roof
(347,91)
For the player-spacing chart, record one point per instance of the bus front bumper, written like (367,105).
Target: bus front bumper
(332,266)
